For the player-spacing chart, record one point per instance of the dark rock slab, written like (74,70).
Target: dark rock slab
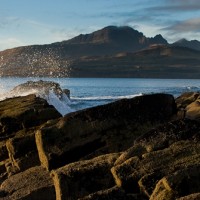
(81,178)
(194,196)
(34,183)
(103,127)
(114,193)
(3,151)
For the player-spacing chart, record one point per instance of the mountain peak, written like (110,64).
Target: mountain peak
(158,39)
(109,34)
(193,44)
(183,40)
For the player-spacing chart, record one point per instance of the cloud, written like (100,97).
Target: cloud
(178,6)
(190,25)
(6,22)
(189,28)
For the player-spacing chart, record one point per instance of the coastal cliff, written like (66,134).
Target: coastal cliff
(141,148)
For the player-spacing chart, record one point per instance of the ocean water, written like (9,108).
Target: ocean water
(89,92)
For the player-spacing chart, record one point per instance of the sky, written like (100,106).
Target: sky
(27,22)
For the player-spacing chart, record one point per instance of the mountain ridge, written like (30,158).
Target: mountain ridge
(193,44)
(95,54)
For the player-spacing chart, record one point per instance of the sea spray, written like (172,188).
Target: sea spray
(48,90)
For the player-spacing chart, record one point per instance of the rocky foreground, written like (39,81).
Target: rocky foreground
(138,149)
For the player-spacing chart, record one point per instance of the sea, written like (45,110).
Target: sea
(90,92)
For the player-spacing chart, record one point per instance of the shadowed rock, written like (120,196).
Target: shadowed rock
(114,193)
(34,183)
(194,196)
(3,151)
(104,127)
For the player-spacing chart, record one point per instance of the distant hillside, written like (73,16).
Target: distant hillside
(109,52)
(155,62)
(193,44)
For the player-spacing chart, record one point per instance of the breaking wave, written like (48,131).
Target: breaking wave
(62,103)
(103,98)
(88,93)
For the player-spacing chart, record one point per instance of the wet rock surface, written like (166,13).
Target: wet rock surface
(45,86)
(143,148)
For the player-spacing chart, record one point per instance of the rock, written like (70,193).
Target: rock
(181,154)
(161,137)
(24,112)
(81,178)
(67,92)
(3,151)
(193,110)
(189,105)
(41,86)
(186,98)
(129,149)
(101,129)
(22,149)
(194,196)
(34,183)
(181,183)
(19,119)
(136,170)
(114,193)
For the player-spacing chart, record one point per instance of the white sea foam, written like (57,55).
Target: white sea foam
(94,98)
(87,93)
(61,104)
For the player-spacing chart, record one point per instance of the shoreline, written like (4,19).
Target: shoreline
(101,152)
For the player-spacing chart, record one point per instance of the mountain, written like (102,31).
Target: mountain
(193,44)
(109,52)
(108,41)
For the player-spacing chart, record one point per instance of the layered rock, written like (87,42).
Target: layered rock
(130,149)
(78,179)
(19,119)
